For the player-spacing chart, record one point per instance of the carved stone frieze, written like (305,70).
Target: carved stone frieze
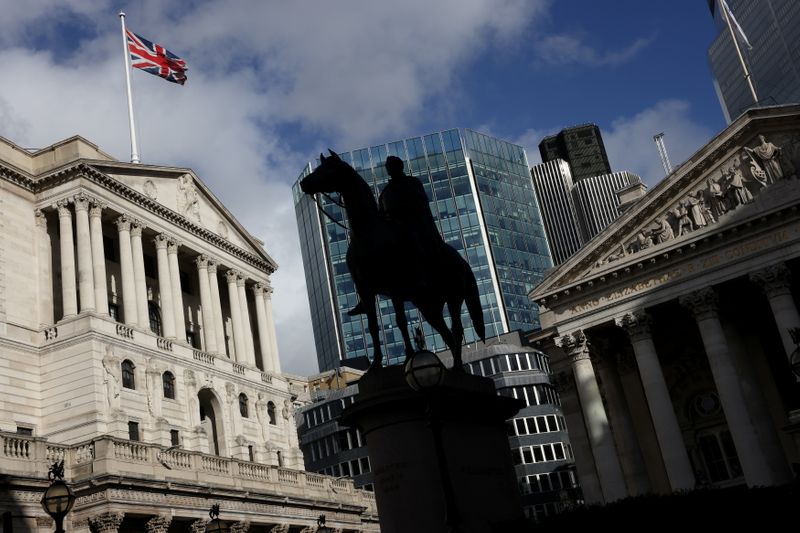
(44,521)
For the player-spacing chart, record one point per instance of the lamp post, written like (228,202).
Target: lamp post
(58,499)
(216,525)
(424,372)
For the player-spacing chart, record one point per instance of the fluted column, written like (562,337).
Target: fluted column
(263,333)
(247,329)
(85,273)
(775,281)
(69,296)
(273,339)
(142,309)
(240,347)
(165,287)
(605,454)
(216,307)
(126,267)
(665,421)
(209,328)
(45,256)
(703,305)
(177,293)
(98,257)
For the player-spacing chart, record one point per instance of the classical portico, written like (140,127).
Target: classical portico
(675,322)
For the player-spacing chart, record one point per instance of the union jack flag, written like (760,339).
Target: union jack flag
(156,59)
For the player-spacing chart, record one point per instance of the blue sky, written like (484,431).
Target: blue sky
(272,83)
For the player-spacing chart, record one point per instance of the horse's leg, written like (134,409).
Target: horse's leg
(402,323)
(457,329)
(433,314)
(374,331)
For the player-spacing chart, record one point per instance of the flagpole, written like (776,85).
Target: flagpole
(134,144)
(747,77)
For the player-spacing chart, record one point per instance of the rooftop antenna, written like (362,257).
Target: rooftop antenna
(662,151)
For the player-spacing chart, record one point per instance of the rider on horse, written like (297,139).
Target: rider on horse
(403,202)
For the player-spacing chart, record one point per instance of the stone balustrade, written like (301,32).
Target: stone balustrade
(32,456)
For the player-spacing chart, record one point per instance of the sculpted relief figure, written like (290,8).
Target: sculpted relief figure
(681,214)
(188,199)
(719,203)
(737,188)
(694,203)
(663,231)
(768,157)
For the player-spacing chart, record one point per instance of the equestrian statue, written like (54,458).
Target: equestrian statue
(396,251)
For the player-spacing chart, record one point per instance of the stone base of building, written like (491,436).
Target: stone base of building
(440,458)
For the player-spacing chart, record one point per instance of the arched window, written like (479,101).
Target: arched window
(169,385)
(155,317)
(271,413)
(243,405)
(128,375)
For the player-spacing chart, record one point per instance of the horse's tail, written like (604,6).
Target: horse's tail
(473,300)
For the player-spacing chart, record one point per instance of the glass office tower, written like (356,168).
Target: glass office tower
(773,29)
(482,198)
(580,146)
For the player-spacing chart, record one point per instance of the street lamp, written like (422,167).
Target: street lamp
(58,499)
(424,370)
(216,525)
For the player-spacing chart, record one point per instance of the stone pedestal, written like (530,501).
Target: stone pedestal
(401,425)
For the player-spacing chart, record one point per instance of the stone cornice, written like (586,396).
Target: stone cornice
(86,171)
(747,126)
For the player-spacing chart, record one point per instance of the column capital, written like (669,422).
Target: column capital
(96,207)
(240,280)
(774,280)
(202,262)
(231,276)
(198,526)
(258,288)
(63,208)
(161,241)
(636,324)
(107,522)
(123,223)
(41,219)
(82,201)
(702,304)
(240,527)
(576,344)
(136,227)
(173,244)
(212,265)
(158,524)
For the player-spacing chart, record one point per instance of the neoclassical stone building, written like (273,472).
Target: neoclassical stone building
(672,328)
(137,344)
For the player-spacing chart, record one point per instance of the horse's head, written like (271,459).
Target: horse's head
(329,176)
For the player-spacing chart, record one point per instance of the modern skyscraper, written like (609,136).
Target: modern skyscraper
(773,29)
(580,146)
(482,198)
(575,211)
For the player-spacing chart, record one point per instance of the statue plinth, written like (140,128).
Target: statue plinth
(437,450)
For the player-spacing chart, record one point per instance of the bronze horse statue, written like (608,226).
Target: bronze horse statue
(378,264)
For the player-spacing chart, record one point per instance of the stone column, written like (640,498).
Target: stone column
(216,307)
(165,287)
(69,296)
(247,329)
(240,347)
(703,305)
(158,524)
(98,257)
(85,272)
(263,331)
(630,456)
(126,266)
(44,251)
(273,339)
(177,292)
(106,522)
(605,454)
(775,282)
(209,328)
(665,422)
(142,309)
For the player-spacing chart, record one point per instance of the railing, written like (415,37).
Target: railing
(288,476)
(203,357)
(124,331)
(164,344)
(130,451)
(255,471)
(315,480)
(239,369)
(266,378)
(177,459)
(17,447)
(215,464)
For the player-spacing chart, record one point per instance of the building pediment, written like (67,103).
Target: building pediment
(740,175)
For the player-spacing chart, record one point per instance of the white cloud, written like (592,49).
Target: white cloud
(565,49)
(355,72)
(629,140)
